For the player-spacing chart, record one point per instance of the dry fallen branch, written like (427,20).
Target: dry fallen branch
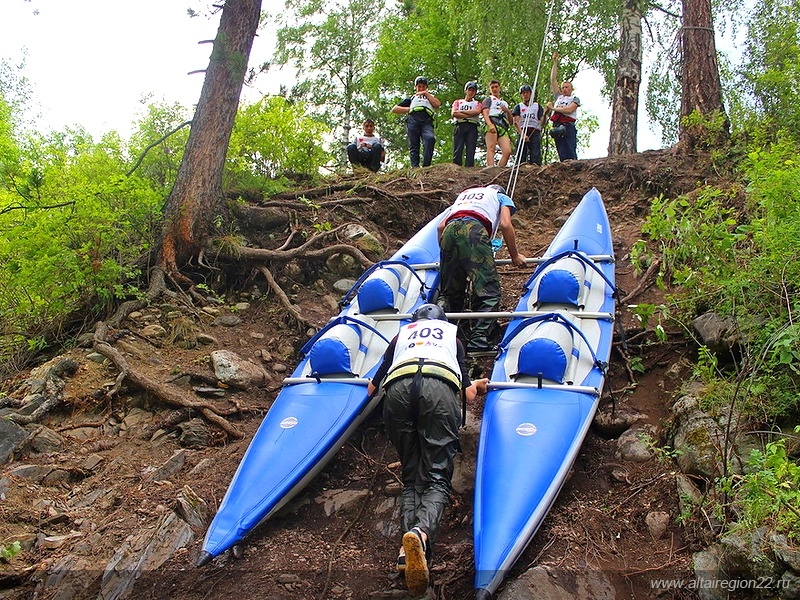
(645,283)
(284,299)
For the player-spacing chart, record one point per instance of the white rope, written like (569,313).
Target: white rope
(514,175)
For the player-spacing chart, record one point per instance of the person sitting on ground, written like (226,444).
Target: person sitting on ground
(423,374)
(367,149)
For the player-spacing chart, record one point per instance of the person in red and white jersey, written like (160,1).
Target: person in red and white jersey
(467,256)
(565,113)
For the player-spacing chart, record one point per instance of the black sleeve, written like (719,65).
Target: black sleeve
(462,363)
(383,370)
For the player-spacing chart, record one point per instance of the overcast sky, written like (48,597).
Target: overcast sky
(91,62)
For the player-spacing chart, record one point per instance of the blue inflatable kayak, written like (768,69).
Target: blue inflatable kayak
(325,399)
(544,390)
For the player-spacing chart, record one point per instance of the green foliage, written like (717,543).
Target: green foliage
(159,163)
(452,43)
(744,264)
(694,238)
(772,67)
(769,494)
(330,45)
(10,551)
(708,130)
(270,139)
(665,455)
(72,228)
(645,313)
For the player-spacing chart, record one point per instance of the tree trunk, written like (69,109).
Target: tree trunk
(701,88)
(194,199)
(625,102)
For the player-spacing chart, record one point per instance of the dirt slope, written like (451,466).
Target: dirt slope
(109,451)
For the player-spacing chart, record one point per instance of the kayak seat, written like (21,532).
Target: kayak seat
(546,353)
(335,354)
(561,282)
(381,292)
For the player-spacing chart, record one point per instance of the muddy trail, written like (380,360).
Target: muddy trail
(110,474)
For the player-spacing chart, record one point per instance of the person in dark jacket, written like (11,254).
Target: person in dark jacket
(419,121)
(423,375)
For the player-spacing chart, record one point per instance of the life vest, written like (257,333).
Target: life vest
(419,103)
(529,116)
(464,105)
(429,347)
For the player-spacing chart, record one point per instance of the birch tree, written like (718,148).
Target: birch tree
(625,96)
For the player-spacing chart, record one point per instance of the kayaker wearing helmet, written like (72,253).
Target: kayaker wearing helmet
(423,375)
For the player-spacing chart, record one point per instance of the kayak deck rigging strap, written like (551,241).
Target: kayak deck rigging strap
(584,258)
(600,364)
(348,297)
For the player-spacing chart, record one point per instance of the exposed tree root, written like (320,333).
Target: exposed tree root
(167,394)
(53,392)
(294,311)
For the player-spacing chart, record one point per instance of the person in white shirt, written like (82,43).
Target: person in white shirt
(467,257)
(467,114)
(367,149)
(528,122)
(498,120)
(565,113)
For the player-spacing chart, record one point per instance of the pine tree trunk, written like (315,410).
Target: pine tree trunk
(194,199)
(702,91)
(625,102)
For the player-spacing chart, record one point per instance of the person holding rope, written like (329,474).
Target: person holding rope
(528,122)
(424,374)
(498,120)
(564,114)
(466,113)
(466,255)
